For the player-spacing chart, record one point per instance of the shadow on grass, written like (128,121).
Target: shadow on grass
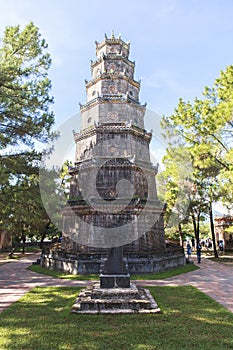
(189,320)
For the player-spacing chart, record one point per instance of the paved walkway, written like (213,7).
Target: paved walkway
(212,278)
(15,281)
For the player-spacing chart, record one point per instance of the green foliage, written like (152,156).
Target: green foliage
(204,229)
(174,185)
(202,131)
(229,229)
(25,87)
(25,127)
(173,234)
(206,126)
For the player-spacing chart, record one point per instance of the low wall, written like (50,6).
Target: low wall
(93,263)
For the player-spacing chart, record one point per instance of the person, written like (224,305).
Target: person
(193,243)
(199,253)
(210,245)
(221,247)
(189,251)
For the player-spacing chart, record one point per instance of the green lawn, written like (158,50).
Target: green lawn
(161,275)
(41,320)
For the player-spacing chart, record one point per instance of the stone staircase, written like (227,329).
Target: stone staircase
(95,300)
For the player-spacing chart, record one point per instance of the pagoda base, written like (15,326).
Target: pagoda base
(97,300)
(93,263)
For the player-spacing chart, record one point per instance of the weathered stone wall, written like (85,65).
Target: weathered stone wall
(123,112)
(113,112)
(93,263)
(113,65)
(112,84)
(90,116)
(112,46)
(122,144)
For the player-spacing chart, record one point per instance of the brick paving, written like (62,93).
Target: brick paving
(214,279)
(15,281)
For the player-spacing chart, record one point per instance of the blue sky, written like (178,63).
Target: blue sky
(179,46)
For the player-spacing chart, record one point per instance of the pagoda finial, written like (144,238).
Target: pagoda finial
(113,35)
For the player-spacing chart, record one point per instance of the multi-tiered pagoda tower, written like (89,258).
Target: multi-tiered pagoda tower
(113,198)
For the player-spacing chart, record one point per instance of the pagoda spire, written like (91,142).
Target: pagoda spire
(112,35)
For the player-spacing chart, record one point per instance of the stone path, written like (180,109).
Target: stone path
(212,278)
(15,281)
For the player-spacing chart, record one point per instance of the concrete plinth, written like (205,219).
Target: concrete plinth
(115,281)
(95,300)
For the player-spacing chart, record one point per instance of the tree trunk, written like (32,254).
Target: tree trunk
(12,251)
(196,226)
(42,239)
(44,234)
(14,248)
(181,235)
(24,240)
(212,230)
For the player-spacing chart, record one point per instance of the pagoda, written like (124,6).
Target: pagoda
(113,200)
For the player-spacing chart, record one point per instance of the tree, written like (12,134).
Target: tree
(205,129)
(25,121)
(27,216)
(174,187)
(24,95)
(207,126)
(181,191)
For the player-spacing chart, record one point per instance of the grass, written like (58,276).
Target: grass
(41,320)
(63,275)
(166,274)
(91,277)
(223,260)
(225,257)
